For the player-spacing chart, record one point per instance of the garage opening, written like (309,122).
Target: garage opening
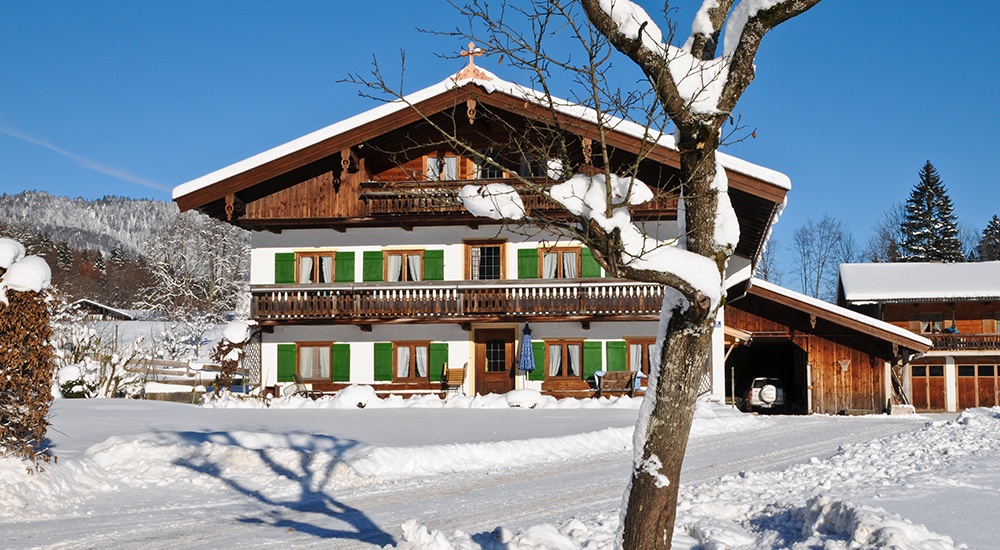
(779,359)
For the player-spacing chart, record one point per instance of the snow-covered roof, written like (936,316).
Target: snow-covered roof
(907,282)
(488,83)
(127,315)
(837,311)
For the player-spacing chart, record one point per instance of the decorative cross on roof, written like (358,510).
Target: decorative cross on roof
(471,70)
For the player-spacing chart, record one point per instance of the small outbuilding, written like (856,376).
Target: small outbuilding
(830,360)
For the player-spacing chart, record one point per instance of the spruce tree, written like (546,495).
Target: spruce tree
(988,249)
(930,233)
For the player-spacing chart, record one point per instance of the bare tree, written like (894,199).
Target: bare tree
(820,247)
(199,267)
(692,91)
(767,266)
(886,240)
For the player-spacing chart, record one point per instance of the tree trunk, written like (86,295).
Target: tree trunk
(652,510)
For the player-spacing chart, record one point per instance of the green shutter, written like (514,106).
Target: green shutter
(438,357)
(538,349)
(373,265)
(591,359)
(284,267)
(588,265)
(433,265)
(341,357)
(286,362)
(383,361)
(345,267)
(616,356)
(527,263)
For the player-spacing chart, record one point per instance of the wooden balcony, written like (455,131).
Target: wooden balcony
(440,197)
(964,342)
(456,302)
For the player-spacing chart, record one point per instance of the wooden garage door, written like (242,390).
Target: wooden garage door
(928,387)
(977,386)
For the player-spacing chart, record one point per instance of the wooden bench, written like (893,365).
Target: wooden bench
(616,382)
(454,379)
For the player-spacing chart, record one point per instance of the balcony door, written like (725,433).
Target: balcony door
(494,350)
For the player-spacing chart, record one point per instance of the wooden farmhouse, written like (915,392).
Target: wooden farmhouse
(956,306)
(366,269)
(830,359)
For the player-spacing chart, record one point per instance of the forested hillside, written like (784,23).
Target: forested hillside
(132,253)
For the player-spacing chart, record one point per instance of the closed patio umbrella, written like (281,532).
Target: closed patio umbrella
(527,362)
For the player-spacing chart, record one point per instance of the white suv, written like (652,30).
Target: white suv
(764,393)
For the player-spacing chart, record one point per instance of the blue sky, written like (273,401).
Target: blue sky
(132,98)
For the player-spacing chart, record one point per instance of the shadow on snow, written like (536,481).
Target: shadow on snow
(312,499)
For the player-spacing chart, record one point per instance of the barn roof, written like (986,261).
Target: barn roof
(916,282)
(839,315)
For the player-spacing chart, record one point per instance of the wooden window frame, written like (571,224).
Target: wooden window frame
(402,275)
(309,345)
(565,343)
(412,345)
(560,250)
(645,342)
(469,245)
(316,255)
(929,320)
(439,157)
(496,154)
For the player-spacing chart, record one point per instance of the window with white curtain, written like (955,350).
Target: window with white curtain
(561,263)
(412,360)
(314,361)
(640,350)
(442,168)
(404,266)
(564,358)
(314,267)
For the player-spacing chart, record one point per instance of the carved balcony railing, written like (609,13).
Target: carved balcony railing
(964,342)
(456,301)
(440,197)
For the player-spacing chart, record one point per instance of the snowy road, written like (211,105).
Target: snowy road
(167,495)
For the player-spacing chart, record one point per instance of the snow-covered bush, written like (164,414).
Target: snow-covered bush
(25,354)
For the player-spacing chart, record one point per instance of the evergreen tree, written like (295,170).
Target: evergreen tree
(988,249)
(930,233)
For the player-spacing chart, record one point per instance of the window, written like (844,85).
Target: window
(442,168)
(490,170)
(314,267)
(496,355)
(560,263)
(640,350)
(484,260)
(931,322)
(564,358)
(313,361)
(404,265)
(535,167)
(411,359)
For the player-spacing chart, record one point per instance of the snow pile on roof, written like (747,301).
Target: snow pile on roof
(24,273)
(840,311)
(901,282)
(491,84)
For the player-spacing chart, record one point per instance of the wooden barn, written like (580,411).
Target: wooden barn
(830,360)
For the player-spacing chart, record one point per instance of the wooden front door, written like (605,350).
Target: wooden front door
(494,360)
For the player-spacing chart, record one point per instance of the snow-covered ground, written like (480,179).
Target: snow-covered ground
(481,474)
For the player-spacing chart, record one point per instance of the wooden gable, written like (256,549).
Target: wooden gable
(372,174)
